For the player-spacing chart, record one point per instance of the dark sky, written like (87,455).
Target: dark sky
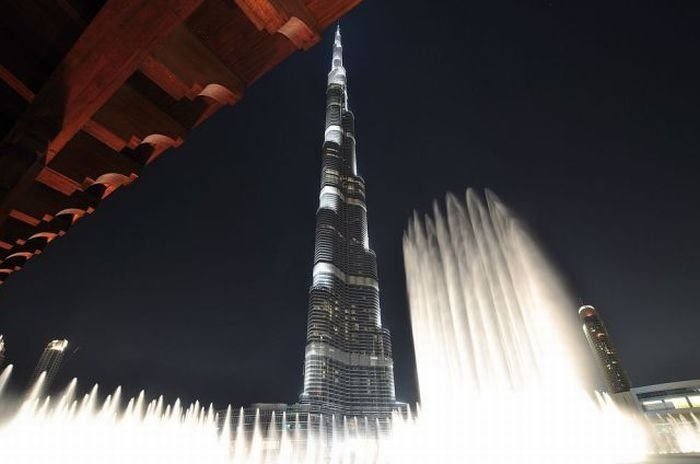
(583,118)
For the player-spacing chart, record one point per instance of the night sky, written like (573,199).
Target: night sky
(192,282)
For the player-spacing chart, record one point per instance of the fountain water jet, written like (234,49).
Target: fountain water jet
(4,377)
(497,375)
(681,434)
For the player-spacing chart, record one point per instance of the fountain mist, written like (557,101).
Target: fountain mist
(89,430)
(497,375)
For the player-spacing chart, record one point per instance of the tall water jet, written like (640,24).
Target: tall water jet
(497,376)
(4,377)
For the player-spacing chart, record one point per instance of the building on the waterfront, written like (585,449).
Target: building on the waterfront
(603,349)
(50,361)
(2,351)
(348,368)
(669,398)
(673,410)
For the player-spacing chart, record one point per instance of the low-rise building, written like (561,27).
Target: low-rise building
(673,410)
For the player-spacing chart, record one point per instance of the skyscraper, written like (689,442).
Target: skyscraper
(603,349)
(348,366)
(50,361)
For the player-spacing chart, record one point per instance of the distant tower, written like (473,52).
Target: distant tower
(50,361)
(2,350)
(603,349)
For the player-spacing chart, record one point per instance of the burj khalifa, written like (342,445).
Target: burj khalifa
(348,367)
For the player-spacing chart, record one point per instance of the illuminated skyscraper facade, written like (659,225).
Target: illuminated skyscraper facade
(348,366)
(603,349)
(50,361)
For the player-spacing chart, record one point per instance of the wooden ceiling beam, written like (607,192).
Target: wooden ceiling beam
(109,50)
(15,84)
(138,78)
(194,65)
(290,18)
(106,54)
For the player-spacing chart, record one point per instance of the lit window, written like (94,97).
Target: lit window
(677,403)
(653,405)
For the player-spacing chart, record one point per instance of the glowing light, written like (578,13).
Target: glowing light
(329,197)
(496,370)
(57,345)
